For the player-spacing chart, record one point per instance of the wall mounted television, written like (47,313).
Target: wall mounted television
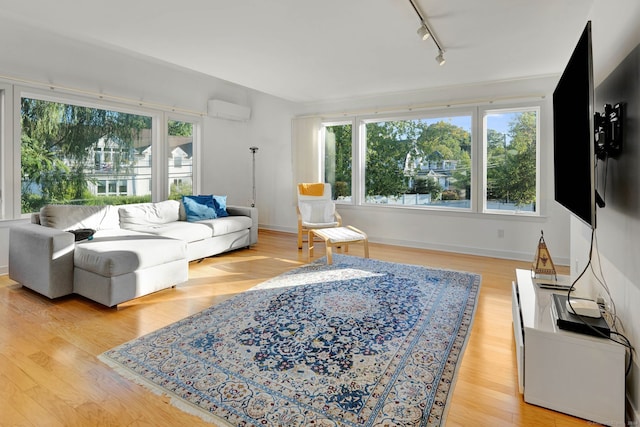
(573,134)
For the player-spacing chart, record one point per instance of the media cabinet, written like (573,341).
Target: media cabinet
(573,373)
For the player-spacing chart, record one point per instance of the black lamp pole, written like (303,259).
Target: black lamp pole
(253,153)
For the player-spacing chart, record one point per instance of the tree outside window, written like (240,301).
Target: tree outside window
(338,159)
(511,150)
(69,153)
(421,162)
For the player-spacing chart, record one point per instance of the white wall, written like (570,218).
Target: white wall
(229,170)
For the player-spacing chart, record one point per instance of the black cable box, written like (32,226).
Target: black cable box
(581,324)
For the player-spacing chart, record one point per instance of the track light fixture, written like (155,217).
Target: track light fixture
(425,32)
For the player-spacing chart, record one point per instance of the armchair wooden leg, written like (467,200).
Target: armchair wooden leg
(299,239)
(310,245)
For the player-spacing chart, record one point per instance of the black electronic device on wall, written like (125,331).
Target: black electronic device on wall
(573,134)
(581,135)
(608,131)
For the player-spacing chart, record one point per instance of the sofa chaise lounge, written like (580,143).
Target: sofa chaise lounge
(135,250)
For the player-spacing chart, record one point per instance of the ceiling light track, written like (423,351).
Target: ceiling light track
(425,31)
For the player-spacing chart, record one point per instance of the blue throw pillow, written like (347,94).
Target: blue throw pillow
(220,203)
(198,208)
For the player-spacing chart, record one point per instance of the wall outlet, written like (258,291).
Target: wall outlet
(500,233)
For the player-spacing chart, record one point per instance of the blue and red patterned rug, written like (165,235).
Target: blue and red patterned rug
(356,343)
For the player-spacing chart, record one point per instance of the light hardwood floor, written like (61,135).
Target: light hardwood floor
(50,374)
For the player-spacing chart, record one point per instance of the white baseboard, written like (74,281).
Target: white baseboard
(517,256)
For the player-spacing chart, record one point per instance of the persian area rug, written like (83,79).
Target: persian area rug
(356,343)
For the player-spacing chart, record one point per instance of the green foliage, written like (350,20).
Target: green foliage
(33,202)
(424,185)
(178,190)
(342,189)
(450,195)
(177,128)
(338,159)
(385,157)
(389,142)
(115,200)
(511,171)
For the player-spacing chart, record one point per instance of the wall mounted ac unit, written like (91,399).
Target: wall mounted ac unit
(228,110)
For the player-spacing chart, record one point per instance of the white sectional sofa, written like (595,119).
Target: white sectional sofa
(136,249)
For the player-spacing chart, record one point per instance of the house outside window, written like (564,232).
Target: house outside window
(180,135)
(419,162)
(74,154)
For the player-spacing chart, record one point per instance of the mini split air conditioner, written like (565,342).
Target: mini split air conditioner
(228,110)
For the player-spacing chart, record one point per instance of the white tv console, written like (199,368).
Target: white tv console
(565,371)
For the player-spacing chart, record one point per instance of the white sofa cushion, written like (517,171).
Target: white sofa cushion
(144,214)
(227,224)
(73,217)
(111,256)
(182,230)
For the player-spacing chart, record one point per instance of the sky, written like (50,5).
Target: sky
(496,121)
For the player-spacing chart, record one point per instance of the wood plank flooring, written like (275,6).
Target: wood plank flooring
(50,374)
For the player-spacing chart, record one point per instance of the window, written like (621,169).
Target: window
(76,150)
(337,158)
(180,166)
(75,154)
(419,162)
(447,160)
(511,141)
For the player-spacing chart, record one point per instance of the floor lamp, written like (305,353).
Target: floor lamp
(253,153)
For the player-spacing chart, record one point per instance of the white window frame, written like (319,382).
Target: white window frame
(10,141)
(483,112)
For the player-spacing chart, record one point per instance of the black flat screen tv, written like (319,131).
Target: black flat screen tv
(573,134)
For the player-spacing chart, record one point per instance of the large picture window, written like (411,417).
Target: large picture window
(419,162)
(476,160)
(72,154)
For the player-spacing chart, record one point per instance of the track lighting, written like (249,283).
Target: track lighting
(423,32)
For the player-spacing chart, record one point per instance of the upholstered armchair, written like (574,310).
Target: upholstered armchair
(316,209)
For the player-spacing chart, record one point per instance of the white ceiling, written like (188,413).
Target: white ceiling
(320,50)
